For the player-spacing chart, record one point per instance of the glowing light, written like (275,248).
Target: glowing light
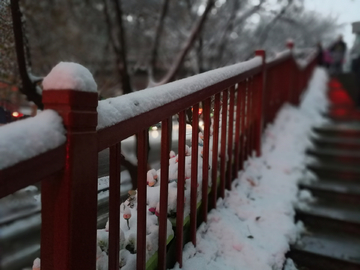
(154,128)
(154,134)
(201,124)
(255,18)
(255,2)
(234,35)
(201,9)
(15,114)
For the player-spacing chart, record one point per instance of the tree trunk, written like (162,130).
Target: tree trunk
(28,88)
(121,59)
(156,43)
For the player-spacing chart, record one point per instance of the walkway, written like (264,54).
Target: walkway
(332,240)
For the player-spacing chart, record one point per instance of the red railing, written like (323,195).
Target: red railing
(240,106)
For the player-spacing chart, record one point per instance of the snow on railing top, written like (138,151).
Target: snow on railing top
(115,110)
(279,56)
(68,75)
(304,56)
(30,137)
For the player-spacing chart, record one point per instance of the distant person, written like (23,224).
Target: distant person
(337,51)
(320,56)
(355,66)
(327,58)
(3,119)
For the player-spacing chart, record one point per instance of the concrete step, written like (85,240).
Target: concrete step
(335,156)
(343,130)
(330,250)
(324,214)
(335,191)
(333,170)
(331,143)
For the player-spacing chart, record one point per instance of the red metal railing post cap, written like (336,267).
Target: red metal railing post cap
(290,44)
(71,90)
(261,53)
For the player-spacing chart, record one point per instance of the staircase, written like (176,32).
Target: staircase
(332,240)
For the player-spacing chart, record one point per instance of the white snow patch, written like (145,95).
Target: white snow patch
(70,76)
(24,139)
(290,265)
(36,264)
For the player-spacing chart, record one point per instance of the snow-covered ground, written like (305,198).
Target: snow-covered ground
(253,226)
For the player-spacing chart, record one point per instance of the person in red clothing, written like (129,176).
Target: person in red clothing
(337,51)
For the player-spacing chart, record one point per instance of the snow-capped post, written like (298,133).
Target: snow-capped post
(290,44)
(69,199)
(259,94)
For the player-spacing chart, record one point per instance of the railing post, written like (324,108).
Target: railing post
(290,44)
(69,199)
(259,93)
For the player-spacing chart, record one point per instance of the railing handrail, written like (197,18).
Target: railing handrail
(110,135)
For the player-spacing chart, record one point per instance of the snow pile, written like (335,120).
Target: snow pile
(68,75)
(128,211)
(115,110)
(254,225)
(128,240)
(30,137)
(36,264)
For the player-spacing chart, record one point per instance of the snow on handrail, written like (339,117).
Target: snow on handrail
(30,137)
(115,110)
(301,62)
(279,57)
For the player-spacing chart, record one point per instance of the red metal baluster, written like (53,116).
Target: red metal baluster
(206,151)
(247,120)
(289,80)
(259,111)
(141,198)
(194,172)
(215,150)
(272,97)
(254,115)
(267,98)
(242,123)
(230,137)
(237,130)
(114,206)
(251,116)
(180,188)
(223,142)
(164,183)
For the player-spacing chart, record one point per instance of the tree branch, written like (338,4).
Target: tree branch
(28,88)
(170,76)
(230,25)
(110,28)
(155,47)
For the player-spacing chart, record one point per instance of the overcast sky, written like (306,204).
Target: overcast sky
(347,11)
